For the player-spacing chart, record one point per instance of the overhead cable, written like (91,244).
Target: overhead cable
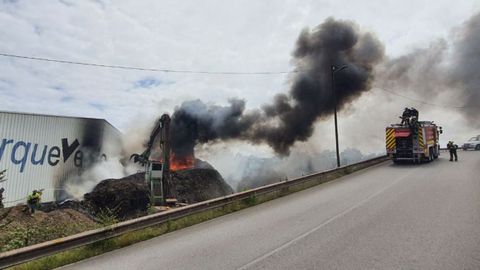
(425,102)
(166,70)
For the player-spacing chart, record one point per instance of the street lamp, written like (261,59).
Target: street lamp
(335,69)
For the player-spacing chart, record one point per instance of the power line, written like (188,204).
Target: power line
(426,103)
(204,72)
(166,70)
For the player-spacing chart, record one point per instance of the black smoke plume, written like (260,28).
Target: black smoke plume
(465,70)
(290,117)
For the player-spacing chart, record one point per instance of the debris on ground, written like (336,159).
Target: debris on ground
(67,204)
(112,200)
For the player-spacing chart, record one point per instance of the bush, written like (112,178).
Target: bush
(107,216)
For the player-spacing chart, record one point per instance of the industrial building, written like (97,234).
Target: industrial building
(46,151)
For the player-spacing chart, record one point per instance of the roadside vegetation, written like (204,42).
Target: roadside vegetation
(18,228)
(102,246)
(80,253)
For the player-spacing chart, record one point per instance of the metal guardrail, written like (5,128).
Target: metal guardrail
(22,255)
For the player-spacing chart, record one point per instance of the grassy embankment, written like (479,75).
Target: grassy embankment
(81,253)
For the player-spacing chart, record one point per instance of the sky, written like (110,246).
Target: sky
(214,36)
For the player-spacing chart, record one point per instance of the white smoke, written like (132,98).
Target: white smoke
(117,164)
(78,185)
(244,167)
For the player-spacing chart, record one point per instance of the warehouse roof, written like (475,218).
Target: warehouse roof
(61,116)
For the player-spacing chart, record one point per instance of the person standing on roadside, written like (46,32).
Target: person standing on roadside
(33,200)
(452,148)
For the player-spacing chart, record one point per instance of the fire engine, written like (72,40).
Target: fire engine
(416,141)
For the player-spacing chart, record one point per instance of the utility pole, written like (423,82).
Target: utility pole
(334,69)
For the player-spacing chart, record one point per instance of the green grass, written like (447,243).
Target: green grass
(130,238)
(127,239)
(22,236)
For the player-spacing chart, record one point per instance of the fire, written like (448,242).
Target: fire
(181,162)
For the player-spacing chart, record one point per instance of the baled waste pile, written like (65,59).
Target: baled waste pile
(127,197)
(196,185)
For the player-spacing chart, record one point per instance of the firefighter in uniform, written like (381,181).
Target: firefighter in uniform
(406,116)
(452,148)
(414,114)
(33,200)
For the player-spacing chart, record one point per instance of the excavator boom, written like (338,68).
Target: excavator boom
(157,172)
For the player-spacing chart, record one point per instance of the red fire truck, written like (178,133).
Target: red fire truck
(416,142)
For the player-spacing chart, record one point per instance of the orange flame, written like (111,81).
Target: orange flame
(181,163)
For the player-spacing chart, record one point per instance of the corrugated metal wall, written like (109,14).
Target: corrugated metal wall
(42,151)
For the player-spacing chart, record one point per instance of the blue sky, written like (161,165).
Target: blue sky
(148,83)
(214,36)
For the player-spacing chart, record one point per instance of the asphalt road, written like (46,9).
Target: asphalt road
(385,217)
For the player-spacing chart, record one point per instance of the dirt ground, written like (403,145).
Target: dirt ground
(18,228)
(124,198)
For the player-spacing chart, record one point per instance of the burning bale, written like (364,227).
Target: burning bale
(194,180)
(196,185)
(127,197)
(181,162)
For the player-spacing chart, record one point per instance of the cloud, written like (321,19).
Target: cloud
(67,99)
(98,106)
(217,36)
